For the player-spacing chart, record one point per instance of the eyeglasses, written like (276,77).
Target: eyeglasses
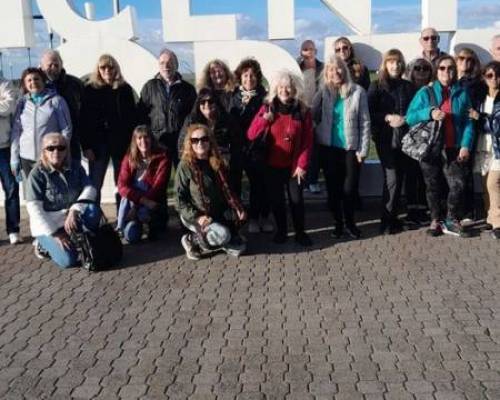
(343,48)
(108,67)
(427,38)
(491,75)
(423,68)
(465,58)
(196,140)
(446,68)
(207,101)
(59,148)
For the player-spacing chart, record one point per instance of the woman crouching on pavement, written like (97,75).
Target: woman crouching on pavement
(55,188)
(142,185)
(204,200)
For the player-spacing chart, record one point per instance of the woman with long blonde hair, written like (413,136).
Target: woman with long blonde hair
(342,119)
(108,119)
(217,76)
(207,206)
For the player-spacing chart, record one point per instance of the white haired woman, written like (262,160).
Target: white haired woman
(288,123)
(342,117)
(54,188)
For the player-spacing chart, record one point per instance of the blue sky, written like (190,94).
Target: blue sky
(313,20)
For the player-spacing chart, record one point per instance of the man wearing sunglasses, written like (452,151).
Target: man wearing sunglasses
(429,40)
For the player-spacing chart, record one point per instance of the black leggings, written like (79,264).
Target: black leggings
(341,170)
(279,180)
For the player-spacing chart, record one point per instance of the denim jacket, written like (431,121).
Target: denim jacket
(50,193)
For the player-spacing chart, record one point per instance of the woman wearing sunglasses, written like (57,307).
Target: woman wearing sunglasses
(142,185)
(208,207)
(108,119)
(359,73)
(487,159)
(53,191)
(208,110)
(450,166)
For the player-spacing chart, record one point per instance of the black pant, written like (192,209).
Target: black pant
(277,181)
(341,170)
(445,173)
(414,184)
(391,161)
(259,201)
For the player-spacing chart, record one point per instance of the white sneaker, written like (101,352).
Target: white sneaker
(266,225)
(15,238)
(253,226)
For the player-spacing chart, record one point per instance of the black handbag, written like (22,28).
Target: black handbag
(424,141)
(100,249)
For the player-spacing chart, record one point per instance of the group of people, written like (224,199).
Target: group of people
(280,137)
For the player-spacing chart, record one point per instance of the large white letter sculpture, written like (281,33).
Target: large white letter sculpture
(86,40)
(16,27)
(199,30)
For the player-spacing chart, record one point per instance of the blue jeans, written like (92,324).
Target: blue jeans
(11,190)
(132,229)
(67,258)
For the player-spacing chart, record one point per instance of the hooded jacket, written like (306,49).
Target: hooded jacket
(7,106)
(32,121)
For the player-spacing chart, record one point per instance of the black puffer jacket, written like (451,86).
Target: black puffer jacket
(166,115)
(70,88)
(108,117)
(394,97)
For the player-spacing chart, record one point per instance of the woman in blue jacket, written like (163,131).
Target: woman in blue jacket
(452,109)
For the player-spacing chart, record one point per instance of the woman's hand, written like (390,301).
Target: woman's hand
(89,154)
(473,114)
(395,120)
(242,215)
(268,116)
(300,174)
(437,114)
(151,204)
(360,158)
(63,239)
(71,222)
(463,154)
(204,221)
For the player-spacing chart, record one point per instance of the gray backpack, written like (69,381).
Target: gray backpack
(424,141)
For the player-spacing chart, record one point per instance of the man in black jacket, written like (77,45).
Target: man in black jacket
(165,102)
(70,88)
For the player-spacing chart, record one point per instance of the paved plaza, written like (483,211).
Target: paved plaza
(385,317)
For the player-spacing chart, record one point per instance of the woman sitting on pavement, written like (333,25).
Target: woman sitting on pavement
(142,185)
(487,159)
(449,168)
(342,119)
(247,99)
(40,111)
(54,188)
(204,200)
(288,123)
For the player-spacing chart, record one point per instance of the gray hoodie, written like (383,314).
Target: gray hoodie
(32,121)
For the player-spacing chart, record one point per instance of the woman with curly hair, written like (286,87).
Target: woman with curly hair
(217,76)
(208,207)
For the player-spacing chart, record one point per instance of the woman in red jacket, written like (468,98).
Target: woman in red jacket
(142,184)
(288,124)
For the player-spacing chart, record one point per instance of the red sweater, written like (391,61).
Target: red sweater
(290,140)
(156,178)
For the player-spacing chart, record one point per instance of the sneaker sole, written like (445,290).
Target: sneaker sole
(451,233)
(189,253)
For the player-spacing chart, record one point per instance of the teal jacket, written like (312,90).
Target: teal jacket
(420,111)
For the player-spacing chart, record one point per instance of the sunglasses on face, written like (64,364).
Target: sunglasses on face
(202,139)
(206,101)
(490,75)
(343,48)
(446,68)
(59,148)
(106,67)
(427,38)
(465,58)
(422,68)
